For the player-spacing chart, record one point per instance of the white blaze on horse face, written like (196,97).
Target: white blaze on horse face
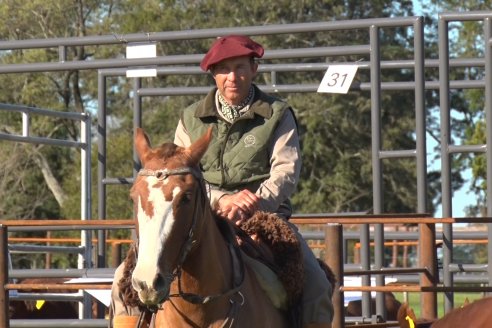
(153,231)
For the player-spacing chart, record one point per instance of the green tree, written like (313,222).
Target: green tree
(35,174)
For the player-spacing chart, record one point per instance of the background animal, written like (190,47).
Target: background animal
(32,309)
(392,305)
(47,309)
(407,319)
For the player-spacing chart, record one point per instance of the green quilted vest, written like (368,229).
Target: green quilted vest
(237,156)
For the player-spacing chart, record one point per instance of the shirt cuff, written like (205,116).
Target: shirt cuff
(215,195)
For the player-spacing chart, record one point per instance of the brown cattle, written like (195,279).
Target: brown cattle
(354,308)
(44,310)
(406,318)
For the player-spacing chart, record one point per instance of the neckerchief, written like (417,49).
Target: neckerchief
(232,112)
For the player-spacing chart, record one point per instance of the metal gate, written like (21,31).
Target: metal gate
(168,65)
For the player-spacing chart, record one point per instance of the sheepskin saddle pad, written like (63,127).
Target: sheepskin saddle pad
(273,251)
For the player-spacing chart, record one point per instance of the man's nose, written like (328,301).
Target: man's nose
(232,75)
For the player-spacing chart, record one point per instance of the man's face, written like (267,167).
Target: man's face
(233,78)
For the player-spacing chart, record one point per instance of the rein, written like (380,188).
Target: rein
(236,258)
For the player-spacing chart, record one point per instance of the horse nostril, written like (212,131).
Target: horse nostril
(138,285)
(159,282)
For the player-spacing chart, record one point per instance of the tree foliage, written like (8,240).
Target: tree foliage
(335,130)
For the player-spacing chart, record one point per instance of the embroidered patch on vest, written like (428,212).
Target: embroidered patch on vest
(249,140)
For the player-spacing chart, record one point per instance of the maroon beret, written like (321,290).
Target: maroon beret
(228,47)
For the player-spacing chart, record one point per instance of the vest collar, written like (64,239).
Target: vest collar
(260,106)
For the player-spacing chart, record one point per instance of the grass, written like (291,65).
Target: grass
(414,300)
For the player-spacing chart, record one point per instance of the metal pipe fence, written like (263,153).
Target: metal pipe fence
(84,257)
(447,148)
(8,276)
(371,60)
(332,231)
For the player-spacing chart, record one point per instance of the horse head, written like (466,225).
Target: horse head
(168,197)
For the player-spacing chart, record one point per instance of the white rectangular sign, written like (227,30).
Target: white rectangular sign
(141,72)
(338,78)
(141,50)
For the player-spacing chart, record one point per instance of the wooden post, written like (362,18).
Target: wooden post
(333,258)
(356,254)
(115,254)
(47,258)
(394,257)
(4,277)
(428,260)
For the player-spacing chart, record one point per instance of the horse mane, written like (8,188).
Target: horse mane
(128,294)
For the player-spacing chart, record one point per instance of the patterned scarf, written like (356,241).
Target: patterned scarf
(232,112)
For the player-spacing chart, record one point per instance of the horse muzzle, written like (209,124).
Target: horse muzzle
(152,295)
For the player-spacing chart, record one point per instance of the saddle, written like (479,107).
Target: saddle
(271,249)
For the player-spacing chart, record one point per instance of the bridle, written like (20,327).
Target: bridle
(163,174)
(236,257)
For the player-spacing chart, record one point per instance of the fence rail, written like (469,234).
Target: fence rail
(334,236)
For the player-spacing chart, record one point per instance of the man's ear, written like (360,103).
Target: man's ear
(211,72)
(255,68)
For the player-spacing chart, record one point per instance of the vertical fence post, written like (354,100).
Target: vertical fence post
(116,257)
(428,260)
(4,277)
(333,258)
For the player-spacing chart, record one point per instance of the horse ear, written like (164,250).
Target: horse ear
(199,147)
(142,144)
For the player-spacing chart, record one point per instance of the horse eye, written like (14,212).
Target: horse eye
(186,198)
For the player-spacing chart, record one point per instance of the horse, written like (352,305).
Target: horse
(187,271)
(476,314)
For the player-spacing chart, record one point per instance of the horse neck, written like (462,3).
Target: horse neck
(208,265)
(206,271)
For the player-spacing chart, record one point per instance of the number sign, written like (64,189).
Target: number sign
(338,78)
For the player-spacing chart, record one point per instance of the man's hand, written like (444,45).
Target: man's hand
(239,206)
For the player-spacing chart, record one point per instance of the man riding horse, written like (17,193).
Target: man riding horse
(253,161)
